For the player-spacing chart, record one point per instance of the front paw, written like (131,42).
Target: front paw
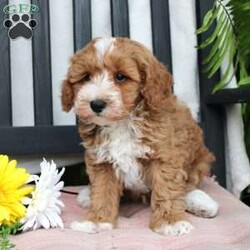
(90,227)
(178,228)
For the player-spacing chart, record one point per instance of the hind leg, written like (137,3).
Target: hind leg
(197,201)
(168,183)
(201,204)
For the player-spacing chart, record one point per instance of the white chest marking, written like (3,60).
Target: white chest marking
(122,148)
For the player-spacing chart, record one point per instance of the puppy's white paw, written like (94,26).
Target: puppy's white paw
(83,197)
(104,226)
(201,204)
(84,226)
(179,228)
(90,227)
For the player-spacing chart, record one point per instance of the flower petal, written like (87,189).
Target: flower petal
(42,218)
(44,207)
(13,191)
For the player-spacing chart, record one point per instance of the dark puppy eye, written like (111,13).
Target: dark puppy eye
(120,77)
(86,78)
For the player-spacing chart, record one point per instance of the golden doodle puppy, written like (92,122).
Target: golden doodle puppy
(137,137)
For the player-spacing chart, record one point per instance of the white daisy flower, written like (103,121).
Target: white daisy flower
(44,207)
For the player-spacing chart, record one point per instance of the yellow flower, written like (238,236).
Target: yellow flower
(12,191)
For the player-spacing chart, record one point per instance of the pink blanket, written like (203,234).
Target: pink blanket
(229,230)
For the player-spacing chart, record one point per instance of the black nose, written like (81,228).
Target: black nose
(98,105)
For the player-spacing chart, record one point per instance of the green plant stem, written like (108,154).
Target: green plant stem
(5,243)
(5,232)
(227,13)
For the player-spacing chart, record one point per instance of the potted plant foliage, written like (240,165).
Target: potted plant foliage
(230,40)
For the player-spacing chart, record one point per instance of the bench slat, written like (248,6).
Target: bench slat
(5,78)
(82,23)
(40,140)
(212,117)
(229,96)
(161,31)
(120,19)
(42,66)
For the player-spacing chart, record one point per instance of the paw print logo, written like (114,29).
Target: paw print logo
(20,26)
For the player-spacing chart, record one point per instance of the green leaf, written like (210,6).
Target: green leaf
(244,81)
(220,51)
(231,38)
(216,49)
(243,70)
(220,26)
(224,79)
(215,66)
(218,57)
(246,6)
(5,231)
(208,20)
(223,82)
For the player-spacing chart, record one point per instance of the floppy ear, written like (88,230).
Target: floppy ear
(67,98)
(157,83)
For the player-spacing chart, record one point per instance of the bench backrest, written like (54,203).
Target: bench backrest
(47,136)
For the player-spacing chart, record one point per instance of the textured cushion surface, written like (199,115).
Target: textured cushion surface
(229,230)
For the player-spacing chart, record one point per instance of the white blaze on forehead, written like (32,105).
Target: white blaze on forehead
(104,45)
